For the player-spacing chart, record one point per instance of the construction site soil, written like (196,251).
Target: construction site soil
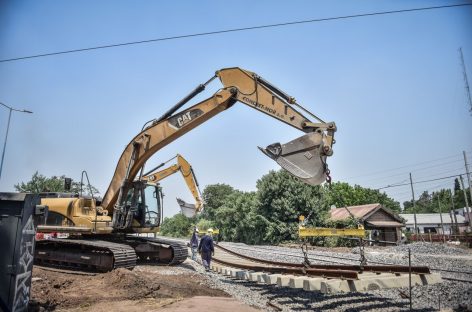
(145,288)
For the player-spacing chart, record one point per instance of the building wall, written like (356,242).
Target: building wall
(390,234)
(423,228)
(380,215)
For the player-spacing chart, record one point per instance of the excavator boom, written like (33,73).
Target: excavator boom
(133,205)
(304,157)
(190,179)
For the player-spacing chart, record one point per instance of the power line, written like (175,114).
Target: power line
(429,176)
(436,166)
(234,30)
(408,166)
(437,179)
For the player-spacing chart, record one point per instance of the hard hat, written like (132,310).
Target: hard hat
(210,230)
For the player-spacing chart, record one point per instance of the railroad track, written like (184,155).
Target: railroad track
(349,260)
(319,277)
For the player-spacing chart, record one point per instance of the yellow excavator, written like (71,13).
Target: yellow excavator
(182,165)
(106,230)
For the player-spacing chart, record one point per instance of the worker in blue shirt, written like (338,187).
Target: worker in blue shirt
(206,249)
(194,244)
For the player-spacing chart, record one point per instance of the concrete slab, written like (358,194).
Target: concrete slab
(429,279)
(313,284)
(260,278)
(271,278)
(397,282)
(365,276)
(334,286)
(243,275)
(381,282)
(236,273)
(254,276)
(296,282)
(284,280)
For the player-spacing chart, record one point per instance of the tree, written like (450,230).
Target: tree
(39,183)
(204,224)
(342,194)
(457,185)
(441,198)
(177,226)
(459,200)
(238,220)
(270,215)
(429,203)
(283,198)
(214,196)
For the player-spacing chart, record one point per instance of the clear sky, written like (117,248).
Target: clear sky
(392,83)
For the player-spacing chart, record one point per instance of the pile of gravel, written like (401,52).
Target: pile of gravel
(448,294)
(429,248)
(237,289)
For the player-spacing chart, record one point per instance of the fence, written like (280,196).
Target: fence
(441,238)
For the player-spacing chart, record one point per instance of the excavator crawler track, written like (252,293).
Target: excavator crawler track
(164,251)
(106,255)
(96,255)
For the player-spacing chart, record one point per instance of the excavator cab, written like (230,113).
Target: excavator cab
(304,157)
(152,208)
(143,203)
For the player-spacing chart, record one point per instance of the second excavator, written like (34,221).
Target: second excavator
(182,165)
(108,229)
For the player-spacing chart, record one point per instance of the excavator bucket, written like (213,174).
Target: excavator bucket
(187,209)
(303,157)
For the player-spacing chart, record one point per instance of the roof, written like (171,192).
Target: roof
(359,212)
(431,218)
(385,223)
(462,211)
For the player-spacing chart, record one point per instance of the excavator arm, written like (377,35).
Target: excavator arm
(304,157)
(187,173)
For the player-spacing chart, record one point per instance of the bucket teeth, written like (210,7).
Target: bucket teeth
(302,157)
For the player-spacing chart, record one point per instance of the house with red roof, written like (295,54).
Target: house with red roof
(383,223)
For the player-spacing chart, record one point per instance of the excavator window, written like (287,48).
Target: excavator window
(152,205)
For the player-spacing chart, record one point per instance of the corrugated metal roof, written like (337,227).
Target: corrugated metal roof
(431,218)
(385,223)
(358,211)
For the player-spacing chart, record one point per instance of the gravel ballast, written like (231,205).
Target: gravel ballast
(449,295)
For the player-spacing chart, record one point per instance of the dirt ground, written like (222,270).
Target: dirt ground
(145,288)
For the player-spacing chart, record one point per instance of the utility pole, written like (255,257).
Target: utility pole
(453,211)
(466,201)
(440,216)
(466,81)
(11,109)
(468,181)
(414,204)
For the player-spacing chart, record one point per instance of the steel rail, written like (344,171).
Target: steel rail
(299,256)
(345,274)
(313,256)
(357,268)
(457,279)
(294,255)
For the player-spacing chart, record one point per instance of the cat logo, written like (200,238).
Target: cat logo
(180,120)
